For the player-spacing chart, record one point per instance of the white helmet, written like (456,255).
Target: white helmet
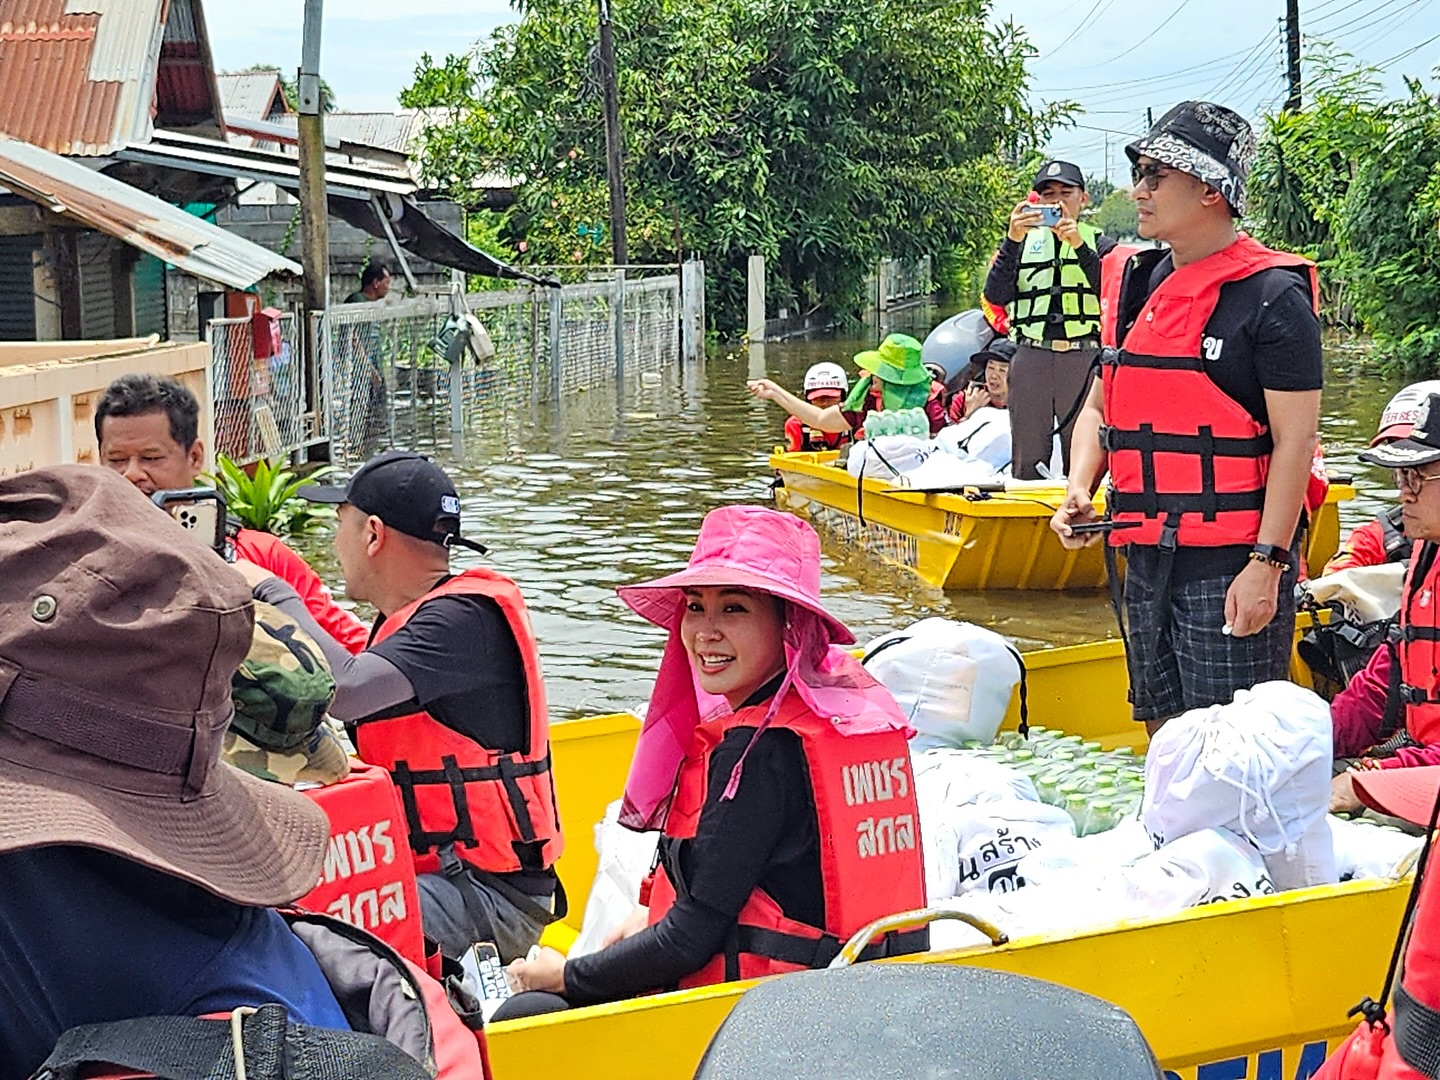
(1399,416)
(826,377)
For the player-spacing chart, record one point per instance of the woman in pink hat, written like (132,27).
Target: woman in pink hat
(777,768)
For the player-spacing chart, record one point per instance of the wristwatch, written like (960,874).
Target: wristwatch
(1273,555)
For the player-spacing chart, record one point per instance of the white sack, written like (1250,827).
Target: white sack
(1259,766)
(982,436)
(941,472)
(625,859)
(1367,851)
(952,680)
(1087,858)
(992,838)
(1199,868)
(889,456)
(1367,593)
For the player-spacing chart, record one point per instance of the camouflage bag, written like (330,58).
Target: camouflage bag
(281,691)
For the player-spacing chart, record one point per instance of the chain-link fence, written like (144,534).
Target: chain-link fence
(258,374)
(385,380)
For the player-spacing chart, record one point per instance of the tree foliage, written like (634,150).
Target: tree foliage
(1354,183)
(821,136)
(1117,217)
(290,87)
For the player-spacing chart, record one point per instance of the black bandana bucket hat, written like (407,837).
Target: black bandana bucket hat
(1207,141)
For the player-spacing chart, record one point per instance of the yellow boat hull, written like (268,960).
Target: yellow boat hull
(1256,988)
(1000,541)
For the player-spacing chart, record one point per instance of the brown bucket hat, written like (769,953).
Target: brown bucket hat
(119,632)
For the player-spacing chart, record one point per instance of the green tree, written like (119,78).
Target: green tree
(1116,216)
(1099,189)
(821,136)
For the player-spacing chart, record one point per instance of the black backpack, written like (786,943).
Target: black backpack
(263,1041)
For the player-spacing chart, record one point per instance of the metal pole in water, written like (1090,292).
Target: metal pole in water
(617,310)
(314,207)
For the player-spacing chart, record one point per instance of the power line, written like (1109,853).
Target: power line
(1383,64)
(1178,8)
(1177,73)
(1096,10)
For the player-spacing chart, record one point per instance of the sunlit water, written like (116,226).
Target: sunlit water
(604,488)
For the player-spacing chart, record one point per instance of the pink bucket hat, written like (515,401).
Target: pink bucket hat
(750,547)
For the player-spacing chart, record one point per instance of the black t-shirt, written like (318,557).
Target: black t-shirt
(463,661)
(1263,335)
(766,836)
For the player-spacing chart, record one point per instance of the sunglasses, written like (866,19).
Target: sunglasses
(1150,175)
(1412,481)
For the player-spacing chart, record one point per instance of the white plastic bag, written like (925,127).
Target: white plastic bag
(625,858)
(982,436)
(943,471)
(1366,850)
(948,785)
(1367,593)
(1090,858)
(1199,868)
(952,680)
(889,456)
(1259,766)
(992,838)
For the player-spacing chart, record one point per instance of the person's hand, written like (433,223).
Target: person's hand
(764,389)
(253,575)
(1069,231)
(1077,509)
(546,972)
(1023,218)
(1250,601)
(1343,799)
(976,397)
(638,920)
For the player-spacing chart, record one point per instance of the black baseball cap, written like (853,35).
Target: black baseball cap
(1002,349)
(1420,448)
(405,490)
(1065,172)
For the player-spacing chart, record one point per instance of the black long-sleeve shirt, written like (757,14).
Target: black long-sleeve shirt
(766,836)
(1001,283)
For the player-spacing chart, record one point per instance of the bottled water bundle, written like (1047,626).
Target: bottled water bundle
(911,422)
(1097,788)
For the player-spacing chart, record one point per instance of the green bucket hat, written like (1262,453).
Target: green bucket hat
(283,685)
(896,361)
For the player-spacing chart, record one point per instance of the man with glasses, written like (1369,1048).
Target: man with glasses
(1388,718)
(1047,277)
(1206,420)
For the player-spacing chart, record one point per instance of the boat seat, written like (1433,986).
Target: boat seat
(897,1021)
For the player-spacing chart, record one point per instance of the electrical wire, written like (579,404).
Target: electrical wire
(1096,10)
(1166,22)
(1177,73)
(1383,64)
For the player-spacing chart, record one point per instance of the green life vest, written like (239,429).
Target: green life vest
(1050,273)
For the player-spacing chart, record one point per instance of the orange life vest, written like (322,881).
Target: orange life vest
(369,875)
(870,857)
(497,809)
(1112,272)
(1186,460)
(1420,646)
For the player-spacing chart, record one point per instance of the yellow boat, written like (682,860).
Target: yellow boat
(999,540)
(1253,988)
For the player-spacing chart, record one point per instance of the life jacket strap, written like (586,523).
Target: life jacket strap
(810,952)
(507,771)
(1417,1033)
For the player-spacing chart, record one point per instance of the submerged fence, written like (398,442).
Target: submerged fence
(383,375)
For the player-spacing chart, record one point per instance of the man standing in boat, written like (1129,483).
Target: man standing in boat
(1047,276)
(1206,419)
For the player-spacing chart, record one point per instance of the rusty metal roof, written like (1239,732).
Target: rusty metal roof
(84,77)
(106,205)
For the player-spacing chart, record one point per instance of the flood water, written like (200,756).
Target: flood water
(606,488)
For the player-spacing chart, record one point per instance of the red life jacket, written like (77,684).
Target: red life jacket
(369,875)
(1185,457)
(1407,1046)
(1420,647)
(801,436)
(1112,272)
(497,809)
(870,856)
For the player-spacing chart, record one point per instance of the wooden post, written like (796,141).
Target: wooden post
(614,151)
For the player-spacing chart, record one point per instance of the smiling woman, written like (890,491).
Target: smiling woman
(759,722)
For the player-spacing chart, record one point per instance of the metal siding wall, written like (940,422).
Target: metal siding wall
(150,297)
(17,287)
(97,287)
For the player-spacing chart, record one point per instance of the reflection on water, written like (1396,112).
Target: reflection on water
(603,489)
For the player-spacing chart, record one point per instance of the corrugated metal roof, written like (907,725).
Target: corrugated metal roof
(249,94)
(80,76)
(141,220)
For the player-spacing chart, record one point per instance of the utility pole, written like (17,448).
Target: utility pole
(1149,118)
(1292,54)
(314,203)
(1107,157)
(614,155)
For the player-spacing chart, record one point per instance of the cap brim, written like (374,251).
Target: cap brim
(322,493)
(1402,454)
(248,840)
(988,356)
(1394,431)
(1403,793)
(659,601)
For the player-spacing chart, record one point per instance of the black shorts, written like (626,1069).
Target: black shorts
(1178,657)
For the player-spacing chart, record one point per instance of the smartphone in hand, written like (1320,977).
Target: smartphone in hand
(1050,215)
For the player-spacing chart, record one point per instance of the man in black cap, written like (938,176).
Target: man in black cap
(1384,719)
(1048,277)
(1206,420)
(448,696)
